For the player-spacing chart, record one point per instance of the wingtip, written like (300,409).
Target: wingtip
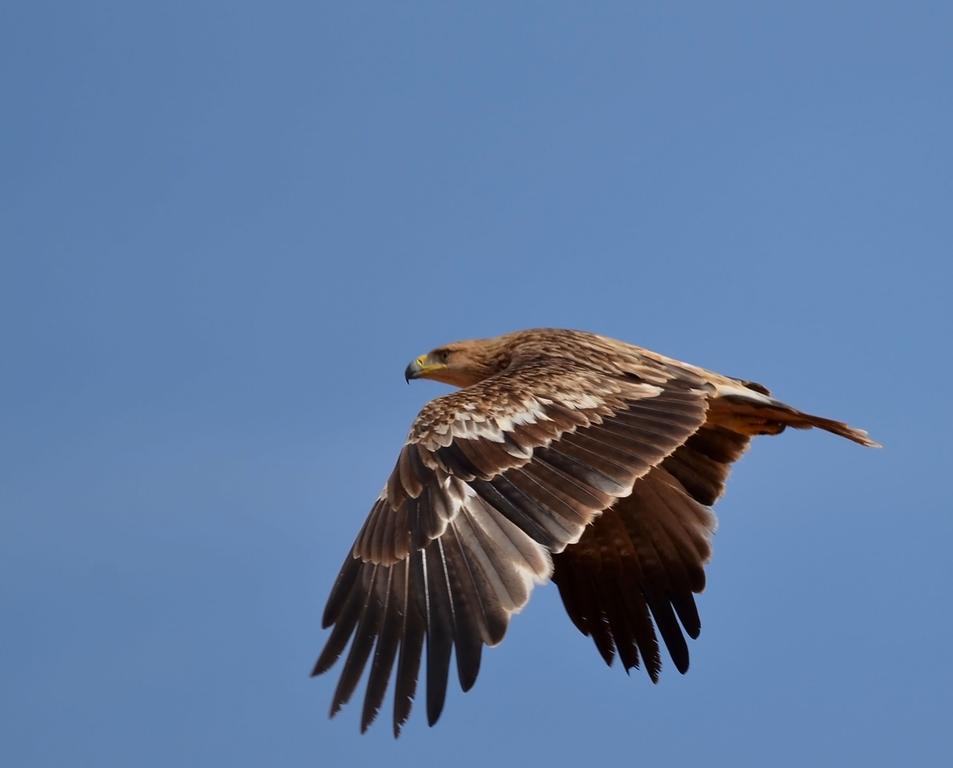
(434,716)
(398,726)
(323,664)
(368,717)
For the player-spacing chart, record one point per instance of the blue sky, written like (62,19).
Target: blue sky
(225,228)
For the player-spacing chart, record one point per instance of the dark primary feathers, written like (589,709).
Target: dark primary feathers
(566,455)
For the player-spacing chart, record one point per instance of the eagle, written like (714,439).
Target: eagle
(563,455)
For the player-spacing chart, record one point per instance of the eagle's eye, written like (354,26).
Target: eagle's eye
(443,355)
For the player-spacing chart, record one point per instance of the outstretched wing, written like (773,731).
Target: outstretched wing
(643,559)
(492,479)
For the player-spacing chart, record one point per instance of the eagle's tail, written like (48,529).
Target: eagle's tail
(751,412)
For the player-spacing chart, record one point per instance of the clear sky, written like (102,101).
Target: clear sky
(226,227)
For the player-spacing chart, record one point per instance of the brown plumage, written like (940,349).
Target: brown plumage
(565,455)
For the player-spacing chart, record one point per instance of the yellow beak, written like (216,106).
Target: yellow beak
(421,368)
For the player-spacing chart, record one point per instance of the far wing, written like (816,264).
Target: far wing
(638,566)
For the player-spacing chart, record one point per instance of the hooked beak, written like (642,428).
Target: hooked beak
(421,368)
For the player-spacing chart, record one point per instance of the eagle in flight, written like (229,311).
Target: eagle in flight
(564,455)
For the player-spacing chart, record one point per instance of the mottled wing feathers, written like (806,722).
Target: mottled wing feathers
(589,434)
(492,479)
(637,567)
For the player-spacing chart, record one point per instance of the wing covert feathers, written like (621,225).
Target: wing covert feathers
(585,447)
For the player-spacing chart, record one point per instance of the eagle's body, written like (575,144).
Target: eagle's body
(565,455)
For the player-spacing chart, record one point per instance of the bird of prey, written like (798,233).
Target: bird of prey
(564,455)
